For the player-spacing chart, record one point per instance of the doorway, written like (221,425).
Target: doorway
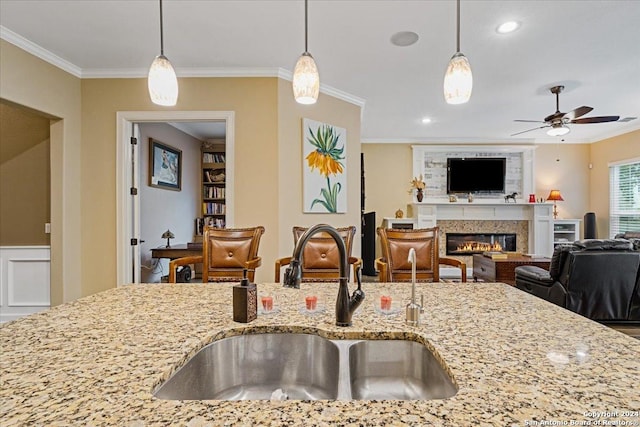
(128,169)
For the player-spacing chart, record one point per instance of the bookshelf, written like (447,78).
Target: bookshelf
(213,185)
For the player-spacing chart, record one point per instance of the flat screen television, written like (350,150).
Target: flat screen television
(476,175)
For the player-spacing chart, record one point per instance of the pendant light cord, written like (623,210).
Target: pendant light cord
(161,32)
(457,26)
(305,26)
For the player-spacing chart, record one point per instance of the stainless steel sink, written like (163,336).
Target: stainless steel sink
(396,369)
(308,367)
(252,367)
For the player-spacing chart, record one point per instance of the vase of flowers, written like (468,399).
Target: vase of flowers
(418,185)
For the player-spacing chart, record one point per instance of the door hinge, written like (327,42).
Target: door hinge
(134,191)
(134,140)
(134,242)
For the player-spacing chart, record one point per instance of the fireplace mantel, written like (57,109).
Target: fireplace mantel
(539,216)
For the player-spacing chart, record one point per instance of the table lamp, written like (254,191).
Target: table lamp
(555,196)
(168,235)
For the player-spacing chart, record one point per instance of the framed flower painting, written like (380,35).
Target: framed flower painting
(324,165)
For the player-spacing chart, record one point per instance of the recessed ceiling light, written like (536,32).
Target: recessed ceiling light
(508,27)
(426,120)
(404,38)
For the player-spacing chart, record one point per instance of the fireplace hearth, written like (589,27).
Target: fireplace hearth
(477,243)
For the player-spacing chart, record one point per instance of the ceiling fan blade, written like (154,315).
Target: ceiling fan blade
(529,121)
(578,112)
(601,119)
(529,130)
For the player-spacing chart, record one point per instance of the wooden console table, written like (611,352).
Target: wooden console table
(177,251)
(503,270)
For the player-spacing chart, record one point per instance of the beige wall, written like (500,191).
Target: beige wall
(564,167)
(290,114)
(31,82)
(25,182)
(24,191)
(388,171)
(622,147)
(254,102)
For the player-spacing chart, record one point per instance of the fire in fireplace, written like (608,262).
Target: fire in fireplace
(476,243)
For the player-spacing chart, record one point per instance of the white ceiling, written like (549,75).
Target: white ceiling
(592,47)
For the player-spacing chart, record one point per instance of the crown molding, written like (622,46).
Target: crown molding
(38,51)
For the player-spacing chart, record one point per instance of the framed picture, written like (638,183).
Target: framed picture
(165,166)
(324,166)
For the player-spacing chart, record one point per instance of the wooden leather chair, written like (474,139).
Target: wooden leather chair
(320,258)
(225,253)
(394,266)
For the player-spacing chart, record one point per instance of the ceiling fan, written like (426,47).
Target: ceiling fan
(557,122)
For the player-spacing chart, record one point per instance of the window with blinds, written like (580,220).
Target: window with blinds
(624,197)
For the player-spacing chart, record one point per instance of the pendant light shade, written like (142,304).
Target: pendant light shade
(162,81)
(458,80)
(306,80)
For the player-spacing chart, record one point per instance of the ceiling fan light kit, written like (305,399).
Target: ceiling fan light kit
(558,130)
(162,81)
(306,79)
(458,80)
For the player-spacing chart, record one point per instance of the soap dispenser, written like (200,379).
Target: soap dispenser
(245,300)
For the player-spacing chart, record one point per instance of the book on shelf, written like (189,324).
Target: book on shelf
(213,158)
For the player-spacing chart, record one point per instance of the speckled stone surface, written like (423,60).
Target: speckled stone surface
(515,358)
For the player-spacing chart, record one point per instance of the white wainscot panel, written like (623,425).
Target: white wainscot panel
(24,281)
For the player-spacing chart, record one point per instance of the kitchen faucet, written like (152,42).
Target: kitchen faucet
(413,309)
(345,305)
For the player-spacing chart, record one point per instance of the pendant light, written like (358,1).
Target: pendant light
(306,80)
(458,80)
(162,80)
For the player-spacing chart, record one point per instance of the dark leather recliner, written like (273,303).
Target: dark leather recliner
(598,279)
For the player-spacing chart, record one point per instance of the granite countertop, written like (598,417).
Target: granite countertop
(515,358)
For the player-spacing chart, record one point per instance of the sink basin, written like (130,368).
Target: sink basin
(396,369)
(252,367)
(309,367)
